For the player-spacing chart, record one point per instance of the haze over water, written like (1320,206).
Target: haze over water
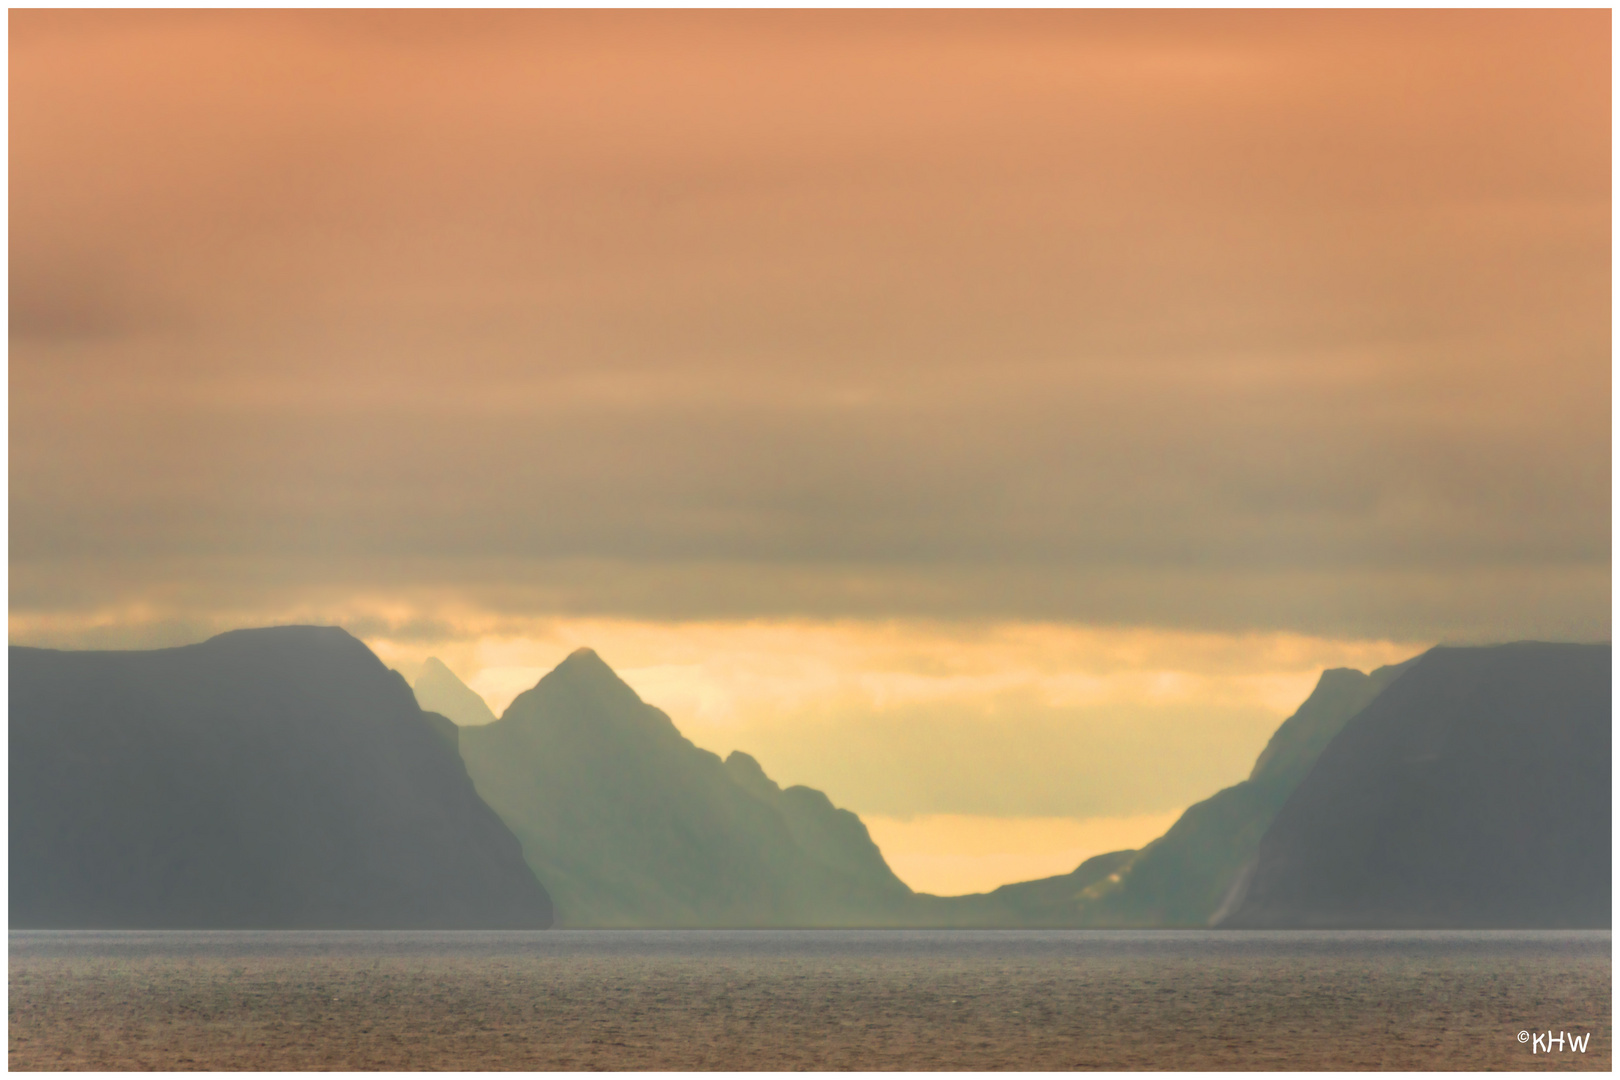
(807,999)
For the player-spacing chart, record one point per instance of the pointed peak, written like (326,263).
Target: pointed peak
(584,659)
(440,690)
(435,670)
(583,687)
(584,665)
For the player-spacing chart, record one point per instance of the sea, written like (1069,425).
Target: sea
(933,1000)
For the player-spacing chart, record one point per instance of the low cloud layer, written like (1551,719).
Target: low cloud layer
(1263,321)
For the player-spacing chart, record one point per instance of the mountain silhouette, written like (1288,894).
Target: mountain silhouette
(836,838)
(1474,792)
(1181,878)
(284,777)
(437,689)
(629,824)
(278,777)
(1054,902)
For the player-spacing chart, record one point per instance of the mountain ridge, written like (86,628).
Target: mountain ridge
(1475,792)
(273,777)
(438,690)
(1181,878)
(631,824)
(284,777)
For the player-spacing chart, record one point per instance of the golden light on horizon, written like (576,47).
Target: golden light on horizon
(977,755)
(953,854)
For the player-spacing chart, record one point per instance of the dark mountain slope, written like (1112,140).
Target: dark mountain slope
(1181,878)
(265,778)
(1474,792)
(1340,693)
(629,824)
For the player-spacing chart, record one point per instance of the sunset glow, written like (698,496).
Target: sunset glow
(996,420)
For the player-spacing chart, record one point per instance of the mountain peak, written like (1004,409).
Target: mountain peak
(584,665)
(439,690)
(362,814)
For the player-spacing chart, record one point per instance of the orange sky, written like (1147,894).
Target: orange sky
(1025,336)
(1245,321)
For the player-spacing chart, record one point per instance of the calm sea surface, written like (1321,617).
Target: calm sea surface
(814,999)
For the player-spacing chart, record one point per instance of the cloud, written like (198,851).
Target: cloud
(1223,320)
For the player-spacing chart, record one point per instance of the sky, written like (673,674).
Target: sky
(996,420)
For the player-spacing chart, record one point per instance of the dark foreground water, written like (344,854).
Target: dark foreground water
(934,1000)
